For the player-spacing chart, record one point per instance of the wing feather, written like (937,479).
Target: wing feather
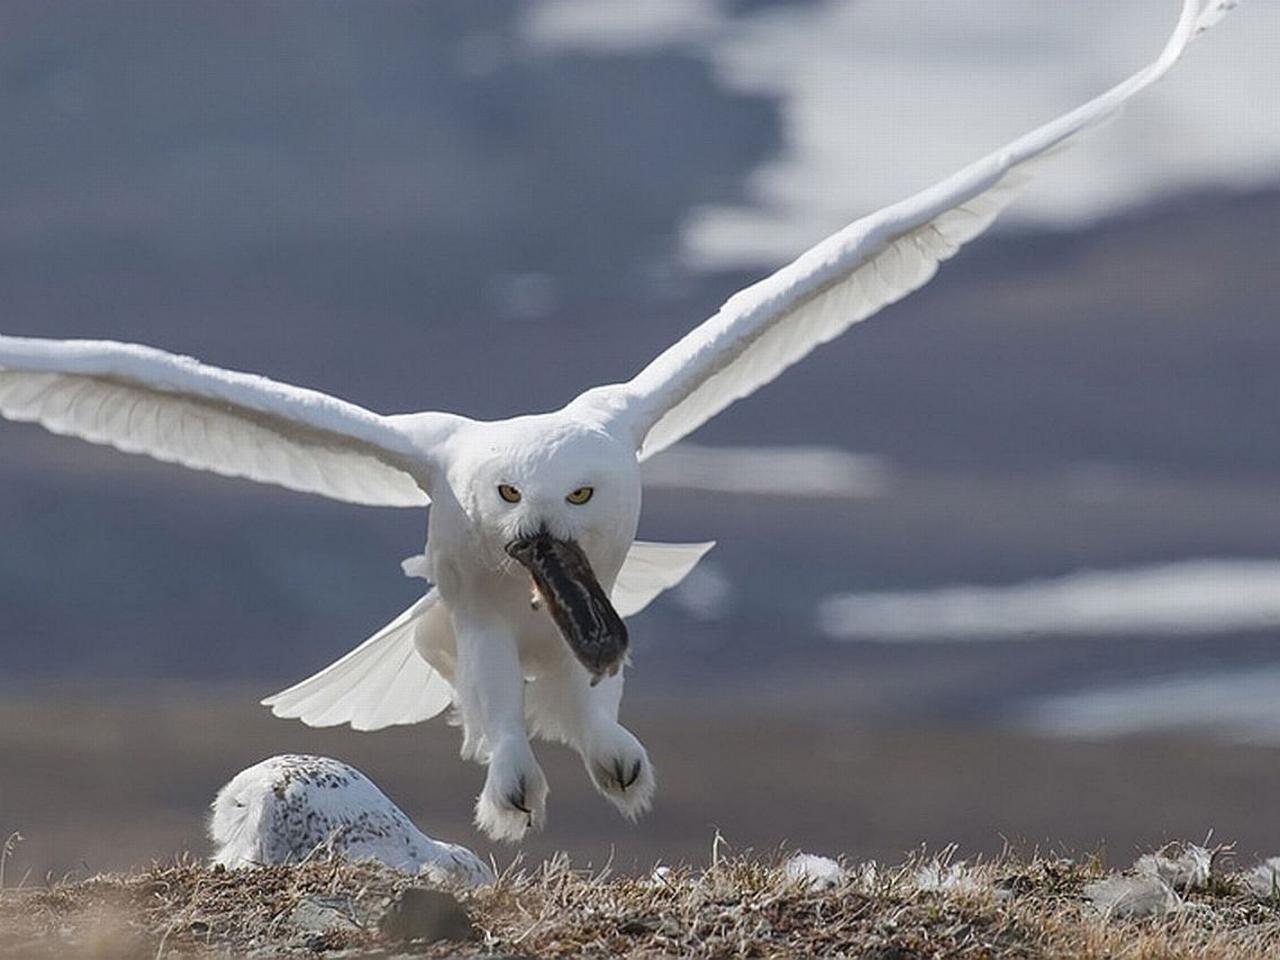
(650,569)
(762,330)
(382,682)
(142,400)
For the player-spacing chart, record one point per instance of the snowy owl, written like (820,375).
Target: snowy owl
(531,545)
(286,808)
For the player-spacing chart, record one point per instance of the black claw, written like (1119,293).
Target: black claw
(518,801)
(620,776)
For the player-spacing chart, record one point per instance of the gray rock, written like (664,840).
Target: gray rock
(422,914)
(317,914)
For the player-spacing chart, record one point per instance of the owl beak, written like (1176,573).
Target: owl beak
(564,581)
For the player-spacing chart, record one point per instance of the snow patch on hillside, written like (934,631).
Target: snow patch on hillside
(1190,597)
(881,98)
(1241,704)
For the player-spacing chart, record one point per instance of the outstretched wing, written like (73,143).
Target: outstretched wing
(142,400)
(762,330)
(382,682)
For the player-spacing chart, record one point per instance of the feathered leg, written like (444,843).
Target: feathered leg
(490,699)
(565,707)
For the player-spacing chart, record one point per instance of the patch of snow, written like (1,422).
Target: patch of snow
(881,98)
(1240,703)
(805,472)
(523,296)
(1190,597)
(619,26)
(706,594)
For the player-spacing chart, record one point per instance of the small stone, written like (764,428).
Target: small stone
(322,914)
(639,926)
(422,914)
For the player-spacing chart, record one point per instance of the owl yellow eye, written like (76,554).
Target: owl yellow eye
(508,493)
(581,495)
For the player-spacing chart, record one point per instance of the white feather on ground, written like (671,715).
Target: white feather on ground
(1176,868)
(815,872)
(1188,868)
(942,876)
(1130,898)
(1264,879)
(286,808)
(1153,892)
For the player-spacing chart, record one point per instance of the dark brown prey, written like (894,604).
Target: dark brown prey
(577,603)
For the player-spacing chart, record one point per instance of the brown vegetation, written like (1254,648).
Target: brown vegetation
(1008,908)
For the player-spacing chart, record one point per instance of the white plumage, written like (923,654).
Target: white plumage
(287,809)
(533,518)
(142,400)
(387,679)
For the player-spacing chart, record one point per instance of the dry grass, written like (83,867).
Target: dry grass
(741,906)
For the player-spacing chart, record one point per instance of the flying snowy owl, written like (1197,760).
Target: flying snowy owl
(531,545)
(287,808)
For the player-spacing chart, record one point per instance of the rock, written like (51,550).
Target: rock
(317,914)
(422,914)
(639,926)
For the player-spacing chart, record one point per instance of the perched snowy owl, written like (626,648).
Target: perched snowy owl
(531,546)
(285,808)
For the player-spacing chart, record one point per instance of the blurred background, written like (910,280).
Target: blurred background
(1001,565)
